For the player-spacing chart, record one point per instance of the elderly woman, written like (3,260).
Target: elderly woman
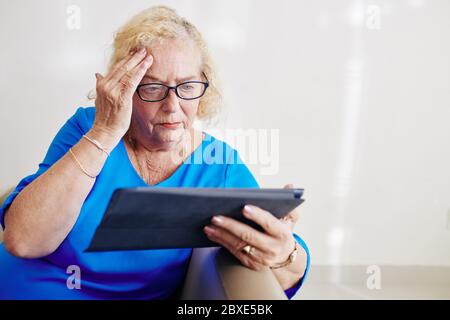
(140,133)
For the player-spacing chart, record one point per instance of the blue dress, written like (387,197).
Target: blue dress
(143,274)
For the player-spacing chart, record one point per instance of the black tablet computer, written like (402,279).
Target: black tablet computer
(161,218)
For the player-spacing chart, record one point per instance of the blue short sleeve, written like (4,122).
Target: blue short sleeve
(292,291)
(70,133)
(237,175)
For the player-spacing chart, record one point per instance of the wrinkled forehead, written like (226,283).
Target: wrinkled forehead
(174,60)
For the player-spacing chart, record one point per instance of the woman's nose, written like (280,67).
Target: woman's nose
(171,103)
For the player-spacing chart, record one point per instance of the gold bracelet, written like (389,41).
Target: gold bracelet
(97,144)
(80,166)
(289,260)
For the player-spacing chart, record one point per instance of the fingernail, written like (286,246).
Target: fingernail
(148,59)
(142,50)
(248,209)
(208,230)
(217,220)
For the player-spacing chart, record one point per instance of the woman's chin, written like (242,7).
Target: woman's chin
(169,134)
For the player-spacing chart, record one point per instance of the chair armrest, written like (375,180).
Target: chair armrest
(214,273)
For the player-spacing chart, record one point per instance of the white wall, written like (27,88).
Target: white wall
(359,91)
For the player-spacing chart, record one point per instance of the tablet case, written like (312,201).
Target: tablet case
(158,218)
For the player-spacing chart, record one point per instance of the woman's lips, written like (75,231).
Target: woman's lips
(171,125)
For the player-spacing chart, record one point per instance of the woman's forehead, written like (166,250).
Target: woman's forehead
(174,60)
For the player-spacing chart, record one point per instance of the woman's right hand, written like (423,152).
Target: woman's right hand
(115,91)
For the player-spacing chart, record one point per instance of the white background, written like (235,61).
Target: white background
(361,101)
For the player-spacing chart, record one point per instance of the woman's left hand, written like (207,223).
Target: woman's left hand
(268,248)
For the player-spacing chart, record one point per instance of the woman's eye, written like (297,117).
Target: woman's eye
(187,87)
(152,89)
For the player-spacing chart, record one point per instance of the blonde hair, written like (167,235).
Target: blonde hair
(159,23)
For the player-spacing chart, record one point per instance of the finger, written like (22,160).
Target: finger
(292,217)
(98,76)
(265,219)
(235,244)
(243,232)
(119,65)
(121,62)
(131,80)
(250,261)
(127,67)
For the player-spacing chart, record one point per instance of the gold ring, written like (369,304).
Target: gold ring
(247,249)
(124,83)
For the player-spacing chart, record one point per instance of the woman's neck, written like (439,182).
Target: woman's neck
(157,162)
(157,151)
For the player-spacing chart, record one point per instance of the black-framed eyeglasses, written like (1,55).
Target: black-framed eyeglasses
(189,90)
